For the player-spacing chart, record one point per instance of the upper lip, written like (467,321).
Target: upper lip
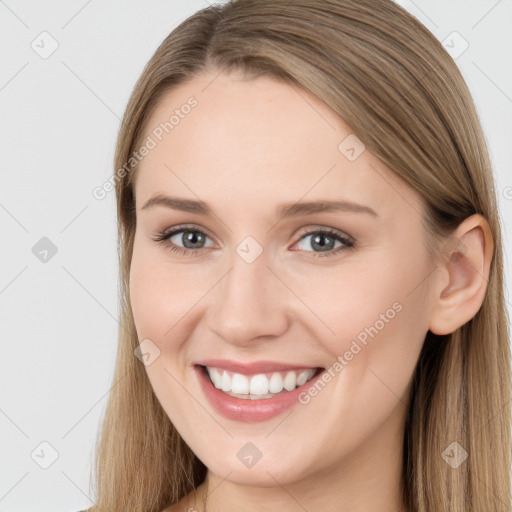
(253,367)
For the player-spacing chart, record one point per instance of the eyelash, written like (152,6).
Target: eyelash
(163,236)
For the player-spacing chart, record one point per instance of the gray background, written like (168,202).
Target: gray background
(59,118)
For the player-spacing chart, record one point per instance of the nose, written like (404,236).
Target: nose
(249,303)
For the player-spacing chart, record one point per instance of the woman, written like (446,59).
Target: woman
(311,272)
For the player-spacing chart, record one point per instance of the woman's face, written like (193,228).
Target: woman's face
(265,299)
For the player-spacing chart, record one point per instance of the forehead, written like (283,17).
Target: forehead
(256,142)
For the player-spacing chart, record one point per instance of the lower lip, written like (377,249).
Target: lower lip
(247,410)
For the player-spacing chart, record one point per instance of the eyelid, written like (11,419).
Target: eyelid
(347,240)
(308,230)
(184,227)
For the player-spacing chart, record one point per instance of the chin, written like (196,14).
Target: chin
(272,467)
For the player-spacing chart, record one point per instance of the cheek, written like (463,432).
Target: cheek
(158,301)
(167,301)
(158,295)
(377,310)
(146,297)
(340,306)
(345,303)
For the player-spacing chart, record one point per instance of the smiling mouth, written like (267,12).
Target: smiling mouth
(260,385)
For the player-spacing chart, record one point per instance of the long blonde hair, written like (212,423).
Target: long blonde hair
(394,84)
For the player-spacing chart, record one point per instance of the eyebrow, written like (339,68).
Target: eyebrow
(283,210)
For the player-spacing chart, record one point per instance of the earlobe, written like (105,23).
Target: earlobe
(463,275)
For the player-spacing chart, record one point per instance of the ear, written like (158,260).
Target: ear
(463,276)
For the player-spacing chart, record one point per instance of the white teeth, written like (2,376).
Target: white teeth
(225,383)
(290,381)
(216,377)
(302,377)
(275,384)
(240,384)
(260,385)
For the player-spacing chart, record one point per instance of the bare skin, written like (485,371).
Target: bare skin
(247,147)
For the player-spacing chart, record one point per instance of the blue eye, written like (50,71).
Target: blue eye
(325,239)
(192,238)
(193,241)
